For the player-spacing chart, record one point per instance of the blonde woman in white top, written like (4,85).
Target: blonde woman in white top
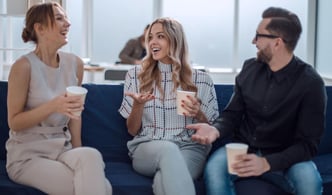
(162,147)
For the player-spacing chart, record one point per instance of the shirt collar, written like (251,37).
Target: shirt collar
(284,72)
(164,67)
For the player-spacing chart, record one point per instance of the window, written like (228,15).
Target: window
(114,23)
(11,44)
(249,19)
(324,39)
(219,32)
(209,29)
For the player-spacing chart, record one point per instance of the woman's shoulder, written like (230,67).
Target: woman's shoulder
(70,57)
(135,69)
(67,55)
(22,63)
(201,76)
(20,69)
(27,59)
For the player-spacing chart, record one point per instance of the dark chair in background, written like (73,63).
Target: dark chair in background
(115,75)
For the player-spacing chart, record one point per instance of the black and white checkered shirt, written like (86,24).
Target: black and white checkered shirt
(160,119)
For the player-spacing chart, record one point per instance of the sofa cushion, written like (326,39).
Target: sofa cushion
(126,181)
(3,119)
(325,146)
(102,125)
(324,165)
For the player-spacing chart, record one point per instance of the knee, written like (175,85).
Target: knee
(169,152)
(169,148)
(216,164)
(217,161)
(90,154)
(305,174)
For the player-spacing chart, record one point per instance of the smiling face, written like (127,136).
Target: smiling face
(61,26)
(55,30)
(159,44)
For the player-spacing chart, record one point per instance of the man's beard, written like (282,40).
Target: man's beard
(264,55)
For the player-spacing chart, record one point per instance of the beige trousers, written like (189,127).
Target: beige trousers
(78,171)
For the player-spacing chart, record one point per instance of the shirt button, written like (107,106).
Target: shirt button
(65,129)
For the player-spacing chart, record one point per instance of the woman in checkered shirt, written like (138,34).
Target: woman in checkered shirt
(162,146)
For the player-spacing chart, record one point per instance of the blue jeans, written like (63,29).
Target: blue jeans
(301,178)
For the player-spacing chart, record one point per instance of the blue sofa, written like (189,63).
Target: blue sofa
(104,129)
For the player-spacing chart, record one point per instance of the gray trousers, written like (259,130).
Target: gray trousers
(173,165)
(78,171)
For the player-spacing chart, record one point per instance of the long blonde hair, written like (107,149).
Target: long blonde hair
(178,53)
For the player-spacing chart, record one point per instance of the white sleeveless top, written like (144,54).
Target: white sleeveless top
(46,139)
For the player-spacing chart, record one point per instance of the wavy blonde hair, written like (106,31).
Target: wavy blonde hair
(178,53)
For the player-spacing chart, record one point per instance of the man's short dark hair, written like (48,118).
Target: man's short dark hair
(284,24)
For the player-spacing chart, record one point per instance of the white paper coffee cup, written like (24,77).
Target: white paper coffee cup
(77,91)
(182,95)
(233,150)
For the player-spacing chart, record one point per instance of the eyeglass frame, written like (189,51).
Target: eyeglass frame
(269,36)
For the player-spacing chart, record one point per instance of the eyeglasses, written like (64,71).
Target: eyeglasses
(266,36)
